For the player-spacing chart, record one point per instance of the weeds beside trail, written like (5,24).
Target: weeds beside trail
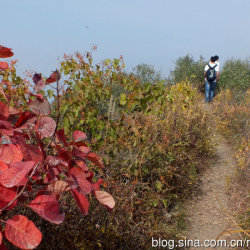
(156,142)
(211,213)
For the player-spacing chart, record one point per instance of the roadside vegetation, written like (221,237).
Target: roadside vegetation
(232,110)
(152,135)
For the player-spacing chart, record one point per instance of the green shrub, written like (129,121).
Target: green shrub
(235,75)
(187,69)
(147,74)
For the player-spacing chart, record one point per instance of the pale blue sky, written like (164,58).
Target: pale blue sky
(155,32)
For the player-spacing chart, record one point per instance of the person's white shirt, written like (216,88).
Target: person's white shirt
(212,64)
(218,65)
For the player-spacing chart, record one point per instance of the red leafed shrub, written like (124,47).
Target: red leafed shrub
(5,52)
(38,165)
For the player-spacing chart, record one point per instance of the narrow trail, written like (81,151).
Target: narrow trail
(209,212)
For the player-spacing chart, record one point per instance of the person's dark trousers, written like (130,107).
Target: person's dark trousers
(212,90)
(209,90)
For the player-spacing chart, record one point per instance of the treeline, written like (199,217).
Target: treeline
(234,73)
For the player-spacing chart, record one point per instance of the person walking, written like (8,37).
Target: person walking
(211,73)
(217,62)
(218,66)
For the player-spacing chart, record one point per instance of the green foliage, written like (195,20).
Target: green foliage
(147,74)
(236,75)
(233,118)
(187,69)
(98,95)
(17,89)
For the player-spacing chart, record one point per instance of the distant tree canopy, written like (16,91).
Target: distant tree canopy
(186,68)
(147,73)
(235,74)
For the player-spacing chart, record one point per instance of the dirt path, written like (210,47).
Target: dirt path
(209,212)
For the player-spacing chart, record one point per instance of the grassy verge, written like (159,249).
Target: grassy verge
(233,122)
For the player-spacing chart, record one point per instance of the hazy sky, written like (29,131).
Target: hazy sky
(155,32)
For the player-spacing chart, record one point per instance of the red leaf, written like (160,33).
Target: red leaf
(18,156)
(24,121)
(96,186)
(4,111)
(90,175)
(4,65)
(5,52)
(51,175)
(65,156)
(19,138)
(79,178)
(105,199)
(6,128)
(79,136)
(3,247)
(95,159)
(61,137)
(79,144)
(15,173)
(45,127)
(1,238)
(48,208)
(22,182)
(28,125)
(40,107)
(22,232)
(80,152)
(36,78)
(10,153)
(62,168)
(84,149)
(81,201)
(3,166)
(54,77)
(6,196)
(32,153)
(82,165)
